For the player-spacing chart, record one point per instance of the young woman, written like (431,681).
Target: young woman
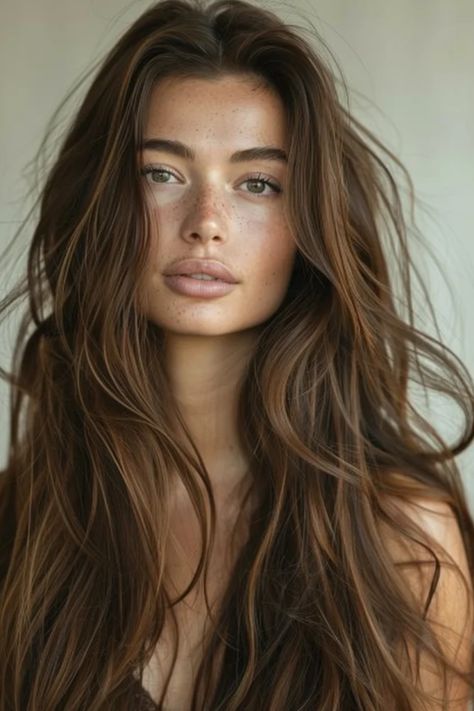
(219,492)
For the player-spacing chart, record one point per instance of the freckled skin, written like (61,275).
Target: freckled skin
(206,209)
(212,208)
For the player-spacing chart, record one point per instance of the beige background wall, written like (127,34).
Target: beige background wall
(412,62)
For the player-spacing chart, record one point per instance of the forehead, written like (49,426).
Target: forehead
(230,109)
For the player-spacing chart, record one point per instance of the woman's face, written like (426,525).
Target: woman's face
(212,207)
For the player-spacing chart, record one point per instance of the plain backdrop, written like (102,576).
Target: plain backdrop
(408,66)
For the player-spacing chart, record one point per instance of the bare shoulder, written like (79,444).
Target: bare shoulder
(438,523)
(451,608)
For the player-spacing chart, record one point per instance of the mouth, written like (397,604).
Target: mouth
(196,287)
(201,277)
(202,269)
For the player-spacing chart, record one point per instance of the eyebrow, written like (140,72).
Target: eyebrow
(183,151)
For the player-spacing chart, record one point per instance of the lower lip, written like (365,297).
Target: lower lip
(201,288)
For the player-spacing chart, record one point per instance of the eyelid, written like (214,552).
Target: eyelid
(151,166)
(258,176)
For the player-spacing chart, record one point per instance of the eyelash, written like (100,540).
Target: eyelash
(254,178)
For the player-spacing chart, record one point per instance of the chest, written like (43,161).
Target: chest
(194,625)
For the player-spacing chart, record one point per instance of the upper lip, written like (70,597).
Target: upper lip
(202,266)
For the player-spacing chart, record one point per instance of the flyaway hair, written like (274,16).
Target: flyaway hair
(317,614)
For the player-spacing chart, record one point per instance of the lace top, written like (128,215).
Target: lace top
(144,702)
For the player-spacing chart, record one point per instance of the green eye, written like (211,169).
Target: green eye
(151,169)
(265,181)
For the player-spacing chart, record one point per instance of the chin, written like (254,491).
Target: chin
(208,329)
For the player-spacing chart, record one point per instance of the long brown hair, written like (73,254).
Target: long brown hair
(316,614)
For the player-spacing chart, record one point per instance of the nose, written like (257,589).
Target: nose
(206,218)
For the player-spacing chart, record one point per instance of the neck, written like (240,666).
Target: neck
(205,374)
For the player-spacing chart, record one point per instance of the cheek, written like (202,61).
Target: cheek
(164,223)
(273,249)
(165,214)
